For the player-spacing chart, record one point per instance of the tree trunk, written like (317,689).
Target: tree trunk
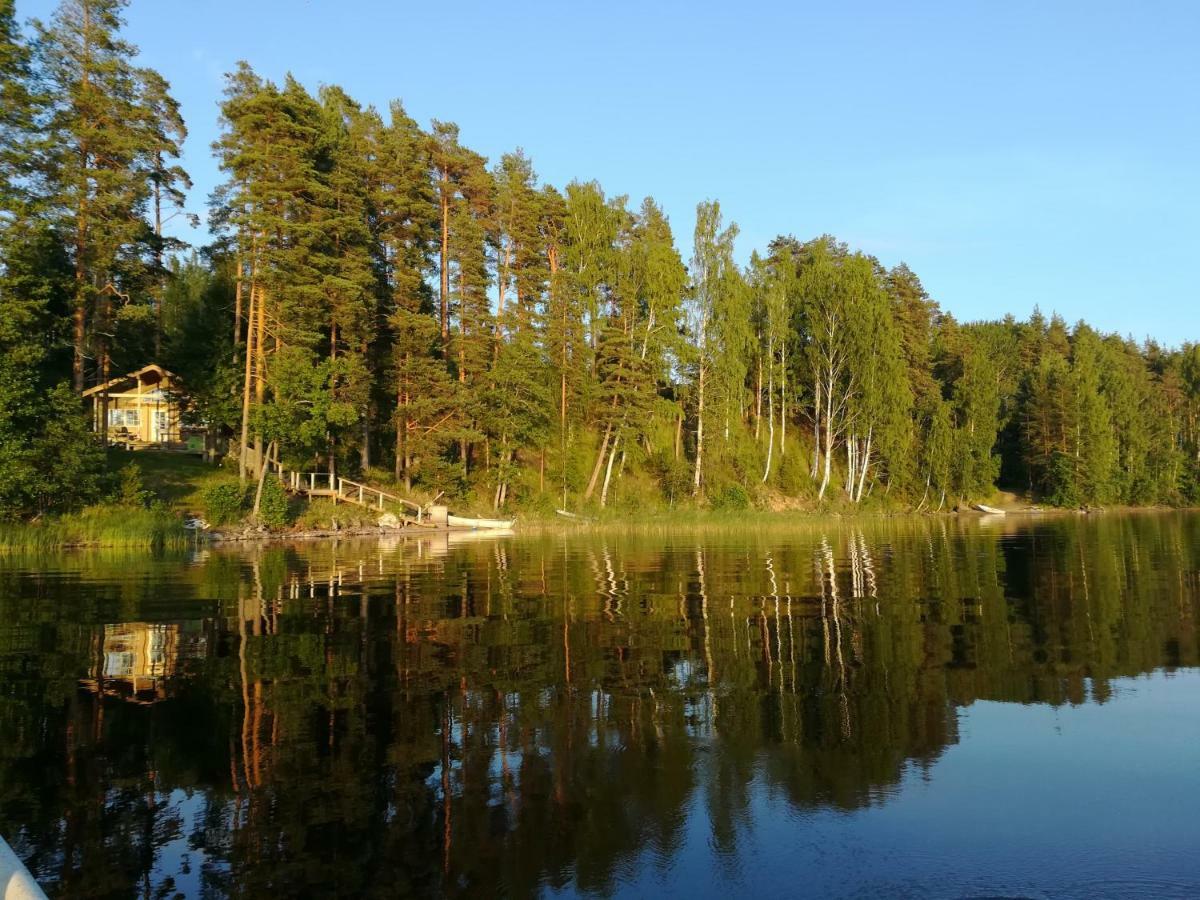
(79,314)
(591,488)
(783,398)
(816,460)
(445,256)
(262,474)
(260,362)
(758,400)
(365,450)
(237,303)
(828,442)
(608,473)
(770,413)
(104,396)
(244,449)
(866,462)
(851,466)
(699,433)
(158,263)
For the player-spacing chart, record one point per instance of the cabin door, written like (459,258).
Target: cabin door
(161,427)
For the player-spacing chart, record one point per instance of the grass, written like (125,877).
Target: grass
(177,479)
(101,526)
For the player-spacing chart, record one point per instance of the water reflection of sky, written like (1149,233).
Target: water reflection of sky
(1084,801)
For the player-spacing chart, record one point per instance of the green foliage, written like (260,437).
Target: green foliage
(731,498)
(107,526)
(674,476)
(131,490)
(49,460)
(225,502)
(380,296)
(273,506)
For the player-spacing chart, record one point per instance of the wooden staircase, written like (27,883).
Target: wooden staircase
(343,490)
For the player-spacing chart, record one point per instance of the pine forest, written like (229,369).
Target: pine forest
(380,300)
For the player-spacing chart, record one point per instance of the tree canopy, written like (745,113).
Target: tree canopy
(380,299)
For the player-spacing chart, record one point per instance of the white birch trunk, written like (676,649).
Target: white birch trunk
(770,411)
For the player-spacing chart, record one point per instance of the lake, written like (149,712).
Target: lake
(903,707)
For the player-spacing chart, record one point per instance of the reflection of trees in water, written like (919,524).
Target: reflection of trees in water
(417,718)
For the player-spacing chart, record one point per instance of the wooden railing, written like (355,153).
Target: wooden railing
(324,484)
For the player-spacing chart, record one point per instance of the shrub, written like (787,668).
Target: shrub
(733,498)
(322,514)
(224,502)
(131,490)
(793,476)
(674,477)
(273,507)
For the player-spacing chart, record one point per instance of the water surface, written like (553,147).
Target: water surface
(894,708)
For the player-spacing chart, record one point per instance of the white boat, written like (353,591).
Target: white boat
(15,881)
(990,510)
(479,524)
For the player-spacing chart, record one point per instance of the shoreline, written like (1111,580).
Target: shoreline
(182,538)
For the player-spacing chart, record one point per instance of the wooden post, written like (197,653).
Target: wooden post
(360,495)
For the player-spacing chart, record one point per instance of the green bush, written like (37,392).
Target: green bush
(273,507)
(733,498)
(674,476)
(792,476)
(224,502)
(131,490)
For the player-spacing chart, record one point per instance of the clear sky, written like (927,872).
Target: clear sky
(1012,153)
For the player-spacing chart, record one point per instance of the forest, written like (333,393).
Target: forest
(379,299)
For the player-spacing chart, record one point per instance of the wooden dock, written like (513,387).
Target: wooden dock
(407,512)
(343,490)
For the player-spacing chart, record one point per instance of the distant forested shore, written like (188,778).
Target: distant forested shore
(380,300)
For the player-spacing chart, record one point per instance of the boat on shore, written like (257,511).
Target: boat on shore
(479,524)
(990,510)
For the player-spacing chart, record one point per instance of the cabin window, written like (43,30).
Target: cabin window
(123,418)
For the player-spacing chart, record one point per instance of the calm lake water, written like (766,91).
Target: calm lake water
(895,708)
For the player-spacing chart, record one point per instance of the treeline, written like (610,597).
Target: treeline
(381,299)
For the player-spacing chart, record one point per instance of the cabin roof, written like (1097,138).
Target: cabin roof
(131,376)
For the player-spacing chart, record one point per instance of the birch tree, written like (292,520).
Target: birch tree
(718,322)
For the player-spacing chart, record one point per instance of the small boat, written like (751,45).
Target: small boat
(479,524)
(15,880)
(990,510)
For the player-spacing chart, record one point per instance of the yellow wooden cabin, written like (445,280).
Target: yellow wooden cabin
(143,408)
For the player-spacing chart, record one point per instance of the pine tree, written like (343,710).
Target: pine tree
(49,460)
(408,215)
(165,133)
(92,163)
(20,106)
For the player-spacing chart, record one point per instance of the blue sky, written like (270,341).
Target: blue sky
(1013,154)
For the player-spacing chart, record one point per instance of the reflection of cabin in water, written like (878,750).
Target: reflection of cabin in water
(143,409)
(135,660)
